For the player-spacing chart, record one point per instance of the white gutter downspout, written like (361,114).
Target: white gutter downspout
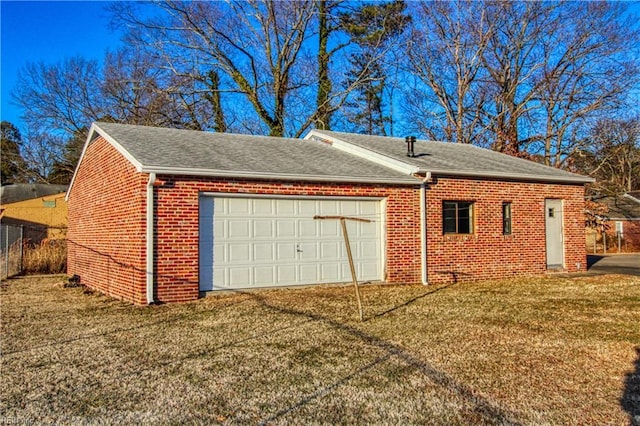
(152,180)
(423,226)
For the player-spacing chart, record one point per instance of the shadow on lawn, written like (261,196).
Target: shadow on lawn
(630,400)
(482,408)
(410,301)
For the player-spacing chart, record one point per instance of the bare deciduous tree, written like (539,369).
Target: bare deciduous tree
(446,48)
(63,96)
(613,156)
(526,78)
(588,71)
(256,45)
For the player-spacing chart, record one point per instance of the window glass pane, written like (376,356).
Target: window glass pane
(449,225)
(464,225)
(464,218)
(506,218)
(449,217)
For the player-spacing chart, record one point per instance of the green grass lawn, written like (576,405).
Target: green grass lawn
(528,351)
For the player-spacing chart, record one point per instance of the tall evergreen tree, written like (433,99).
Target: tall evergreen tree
(14,167)
(373,28)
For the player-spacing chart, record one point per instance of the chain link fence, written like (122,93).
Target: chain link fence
(32,249)
(11,250)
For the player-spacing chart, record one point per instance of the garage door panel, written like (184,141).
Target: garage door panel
(285,228)
(239,253)
(263,207)
(307,208)
(349,208)
(329,208)
(330,228)
(329,272)
(330,251)
(307,228)
(219,229)
(264,275)
(368,209)
(263,252)
(286,208)
(309,273)
(219,254)
(287,274)
(238,229)
(237,206)
(286,251)
(263,228)
(368,249)
(367,269)
(307,251)
(220,278)
(263,242)
(220,205)
(239,277)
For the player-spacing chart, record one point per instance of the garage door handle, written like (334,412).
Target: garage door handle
(298,248)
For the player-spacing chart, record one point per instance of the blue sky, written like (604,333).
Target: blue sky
(49,31)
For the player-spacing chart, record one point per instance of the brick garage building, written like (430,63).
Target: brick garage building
(162,215)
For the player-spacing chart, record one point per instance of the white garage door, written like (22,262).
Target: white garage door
(267,242)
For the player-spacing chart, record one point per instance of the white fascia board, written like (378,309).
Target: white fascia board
(274,176)
(516,176)
(93,130)
(374,157)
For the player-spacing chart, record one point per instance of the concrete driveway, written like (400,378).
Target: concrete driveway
(627,264)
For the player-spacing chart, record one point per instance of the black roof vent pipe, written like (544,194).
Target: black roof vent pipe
(410,140)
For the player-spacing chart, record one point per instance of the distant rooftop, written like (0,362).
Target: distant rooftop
(14,192)
(621,206)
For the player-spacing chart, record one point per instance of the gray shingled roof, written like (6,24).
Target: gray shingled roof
(620,206)
(457,159)
(175,151)
(14,192)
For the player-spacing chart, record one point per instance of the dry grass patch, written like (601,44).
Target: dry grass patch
(48,257)
(528,351)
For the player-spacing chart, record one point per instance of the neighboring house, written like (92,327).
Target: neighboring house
(623,223)
(40,208)
(162,215)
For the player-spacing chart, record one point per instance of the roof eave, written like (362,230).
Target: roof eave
(160,170)
(514,176)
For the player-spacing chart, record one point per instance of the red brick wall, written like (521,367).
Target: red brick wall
(177,226)
(630,236)
(488,253)
(106,235)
